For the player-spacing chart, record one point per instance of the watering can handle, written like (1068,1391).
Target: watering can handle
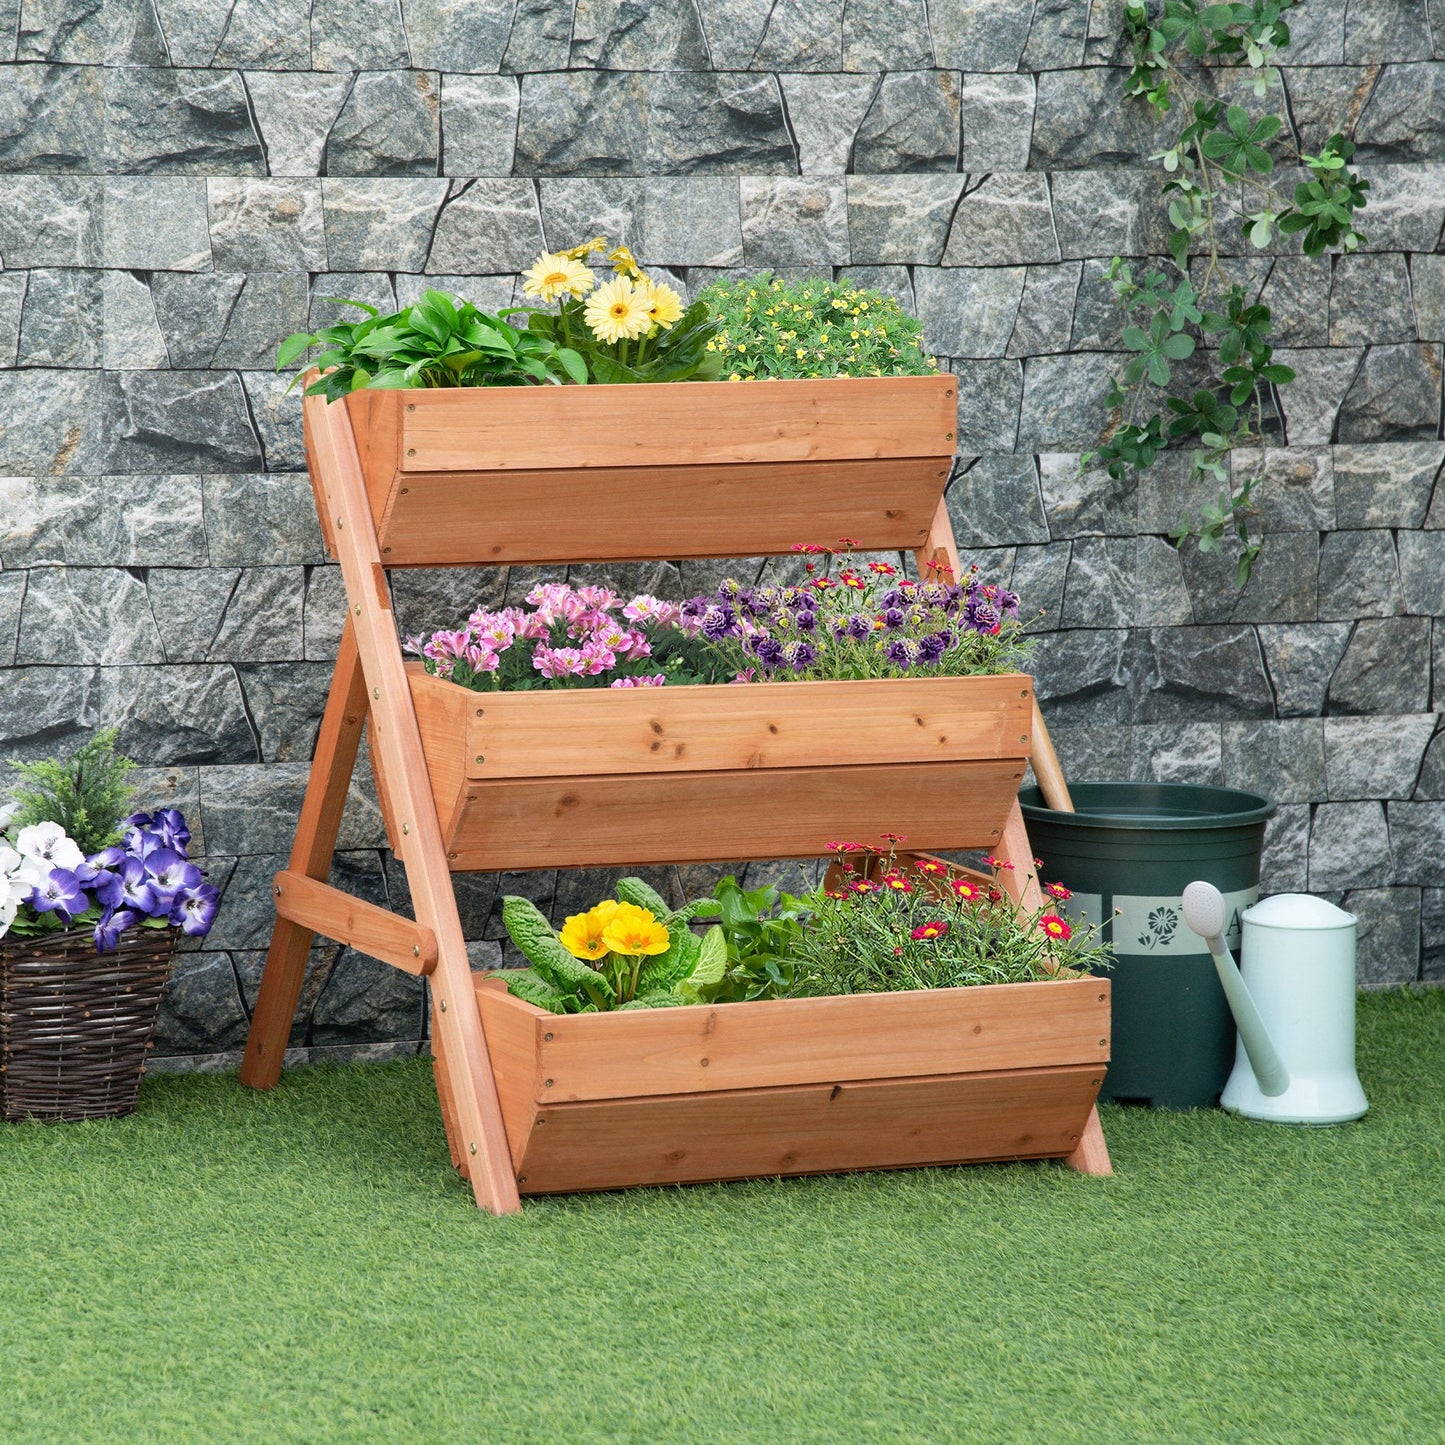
(1046,767)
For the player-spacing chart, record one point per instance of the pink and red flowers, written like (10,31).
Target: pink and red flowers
(1055,927)
(1057,890)
(934,928)
(968,892)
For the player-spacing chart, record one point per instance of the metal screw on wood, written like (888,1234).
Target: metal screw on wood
(471,1148)
(411,451)
(411,406)
(548,1037)
(415,951)
(357,609)
(406,827)
(548,1083)
(480,758)
(376,692)
(442,1005)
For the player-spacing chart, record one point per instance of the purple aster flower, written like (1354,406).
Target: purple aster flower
(931,650)
(113,923)
(719,621)
(983,617)
(805,620)
(799,655)
(61,892)
(893,618)
(895,597)
(194,909)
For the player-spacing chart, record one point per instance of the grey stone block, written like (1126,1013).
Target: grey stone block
(85,616)
(201,1008)
(1065,401)
(1317,36)
(1375,757)
(1057,34)
(1198,674)
(267,35)
(193,311)
(475,894)
(1422,571)
(1281,760)
(997,500)
(219,615)
(637,35)
(1080,503)
(1123,582)
(968,311)
(381,225)
(1407,207)
(1404,119)
(1359,576)
(102,521)
(1003,220)
(1176,753)
(1417,838)
(911,125)
(997,112)
(294,113)
(802,35)
(1385,668)
(61,324)
(51,119)
(901,219)
(1395,396)
(1293,292)
(1038,578)
(541,37)
(249,965)
(733,29)
(193,28)
(252,807)
(12,593)
(1388,484)
(389,126)
(479,124)
(1387,941)
(177,788)
(285,701)
(491,225)
(180,122)
(267,225)
(825,112)
(278,420)
(1105,213)
(539,886)
(161,421)
(458,35)
(1432,934)
(1349,847)
(270,308)
(886,35)
(324,613)
(49,423)
(61,30)
(50,221)
(575,209)
(130,336)
(1430,784)
(1084,119)
(365,36)
(156,223)
(1282,586)
(12,303)
(172,716)
(1312,400)
(443,596)
(132,33)
(1082,676)
(979,34)
(989,393)
(794,222)
(254,520)
(1046,309)
(1098,319)
(364,1000)
(1284,863)
(1427,287)
(247,913)
(1298,491)
(688,220)
(1092,754)
(1301,660)
(331,294)
(1370,301)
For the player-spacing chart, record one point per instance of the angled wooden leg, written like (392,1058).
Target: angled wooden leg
(311,854)
(1091,1156)
(1020,882)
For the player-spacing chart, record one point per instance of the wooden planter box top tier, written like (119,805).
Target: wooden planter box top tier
(631,473)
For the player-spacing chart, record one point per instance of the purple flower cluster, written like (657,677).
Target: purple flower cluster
(145,878)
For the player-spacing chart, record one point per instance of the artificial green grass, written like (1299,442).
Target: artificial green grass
(302,1265)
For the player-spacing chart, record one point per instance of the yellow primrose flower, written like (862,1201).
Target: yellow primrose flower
(554,274)
(665,304)
(635,930)
(581,936)
(618,311)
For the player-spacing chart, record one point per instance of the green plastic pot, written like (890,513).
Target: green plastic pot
(1134,847)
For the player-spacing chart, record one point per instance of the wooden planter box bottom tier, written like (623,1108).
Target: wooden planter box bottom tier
(795,1086)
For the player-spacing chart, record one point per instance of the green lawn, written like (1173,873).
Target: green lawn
(303,1265)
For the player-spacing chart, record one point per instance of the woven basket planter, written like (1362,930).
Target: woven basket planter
(75,1024)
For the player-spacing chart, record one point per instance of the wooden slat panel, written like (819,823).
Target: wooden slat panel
(513,1041)
(761,725)
(524,428)
(775,1042)
(812,1129)
(704,817)
(376,421)
(642,512)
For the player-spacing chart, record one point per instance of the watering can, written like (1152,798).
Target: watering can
(1294,1006)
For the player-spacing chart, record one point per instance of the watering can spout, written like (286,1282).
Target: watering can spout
(1205,914)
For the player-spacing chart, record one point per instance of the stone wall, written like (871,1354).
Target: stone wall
(183,181)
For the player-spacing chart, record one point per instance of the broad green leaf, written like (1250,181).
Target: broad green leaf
(292,347)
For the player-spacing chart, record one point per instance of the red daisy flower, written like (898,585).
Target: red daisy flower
(995,895)
(1057,890)
(862,885)
(965,890)
(883,569)
(932,867)
(845,847)
(1055,927)
(933,929)
(897,882)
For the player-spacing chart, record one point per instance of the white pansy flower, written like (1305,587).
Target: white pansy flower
(7,916)
(46,843)
(7,812)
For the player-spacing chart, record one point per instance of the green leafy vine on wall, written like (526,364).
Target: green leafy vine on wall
(1216,166)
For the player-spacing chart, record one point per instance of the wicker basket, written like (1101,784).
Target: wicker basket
(75,1024)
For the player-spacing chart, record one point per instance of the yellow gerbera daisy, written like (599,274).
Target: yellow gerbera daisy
(618,311)
(581,253)
(555,274)
(665,305)
(624,263)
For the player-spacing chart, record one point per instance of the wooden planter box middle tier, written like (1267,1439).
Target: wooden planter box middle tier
(617,473)
(551,779)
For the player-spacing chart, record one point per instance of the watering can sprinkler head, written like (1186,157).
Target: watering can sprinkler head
(1204,912)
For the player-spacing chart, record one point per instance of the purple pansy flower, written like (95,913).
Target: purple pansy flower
(61,892)
(799,655)
(170,873)
(194,909)
(137,891)
(768,651)
(113,923)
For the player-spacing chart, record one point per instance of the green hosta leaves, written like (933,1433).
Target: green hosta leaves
(1157,347)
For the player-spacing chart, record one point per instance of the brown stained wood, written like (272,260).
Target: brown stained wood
(444,713)
(808,1129)
(776,1042)
(938,556)
(514,1041)
(1091,1154)
(376,423)
(700,423)
(1046,767)
(663,510)
(694,729)
(702,817)
(1020,881)
(375,931)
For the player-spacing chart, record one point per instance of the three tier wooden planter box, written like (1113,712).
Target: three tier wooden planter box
(535,1102)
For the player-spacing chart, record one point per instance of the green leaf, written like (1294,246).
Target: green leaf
(642,895)
(1178,346)
(292,347)
(530,986)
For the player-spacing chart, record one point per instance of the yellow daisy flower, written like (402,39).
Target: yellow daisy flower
(618,311)
(581,253)
(664,304)
(624,263)
(554,274)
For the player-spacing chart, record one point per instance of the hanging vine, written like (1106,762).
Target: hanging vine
(1217,169)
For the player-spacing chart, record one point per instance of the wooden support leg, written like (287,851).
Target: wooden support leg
(1092,1154)
(311,854)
